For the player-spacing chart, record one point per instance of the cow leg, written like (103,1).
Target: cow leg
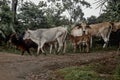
(106,37)
(38,50)
(60,45)
(28,51)
(51,47)
(91,40)
(41,46)
(22,52)
(87,47)
(80,46)
(118,48)
(55,46)
(64,50)
(105,40)
(75,46)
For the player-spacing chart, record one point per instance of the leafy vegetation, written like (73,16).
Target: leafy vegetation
(21,15)
(117,73)
(79,73)
(106,69)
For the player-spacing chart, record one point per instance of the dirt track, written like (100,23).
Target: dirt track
(17,67)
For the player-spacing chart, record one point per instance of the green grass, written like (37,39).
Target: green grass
(117,73)
(69,49)
(78,73)
(88,72)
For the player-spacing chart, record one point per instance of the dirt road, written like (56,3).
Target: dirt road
(17,67)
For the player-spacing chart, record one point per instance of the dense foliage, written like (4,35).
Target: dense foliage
(110,12)
(16,16)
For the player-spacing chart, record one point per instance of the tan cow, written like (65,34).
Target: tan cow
(102,30)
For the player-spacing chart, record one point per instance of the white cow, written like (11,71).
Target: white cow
(76,31)
(42,36)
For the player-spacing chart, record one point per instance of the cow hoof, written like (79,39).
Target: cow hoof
(62,53)
(45,54)
(22,54)
(57,53)
(30,54)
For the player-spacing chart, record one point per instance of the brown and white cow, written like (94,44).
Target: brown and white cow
(83,42)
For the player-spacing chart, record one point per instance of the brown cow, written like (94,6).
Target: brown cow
(81,41)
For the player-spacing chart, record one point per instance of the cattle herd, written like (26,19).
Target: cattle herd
(81,37)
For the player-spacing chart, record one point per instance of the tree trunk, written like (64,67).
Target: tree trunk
(14,9)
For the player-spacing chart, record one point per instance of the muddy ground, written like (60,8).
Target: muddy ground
(17,67)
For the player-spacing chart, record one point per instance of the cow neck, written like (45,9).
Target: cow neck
(33,37)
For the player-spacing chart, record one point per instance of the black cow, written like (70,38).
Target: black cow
(23,45)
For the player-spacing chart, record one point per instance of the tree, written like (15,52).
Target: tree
(14,9)
(52,12)
(74,9)
(92,20)
(5,17)
(31,16)
(54,8)
(111,11)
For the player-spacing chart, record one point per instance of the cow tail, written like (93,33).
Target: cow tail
(109,32)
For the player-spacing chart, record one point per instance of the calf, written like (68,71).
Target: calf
(85,43)
(81,41)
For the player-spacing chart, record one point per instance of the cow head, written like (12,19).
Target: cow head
(115,26)
(27,35)
(85,28)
